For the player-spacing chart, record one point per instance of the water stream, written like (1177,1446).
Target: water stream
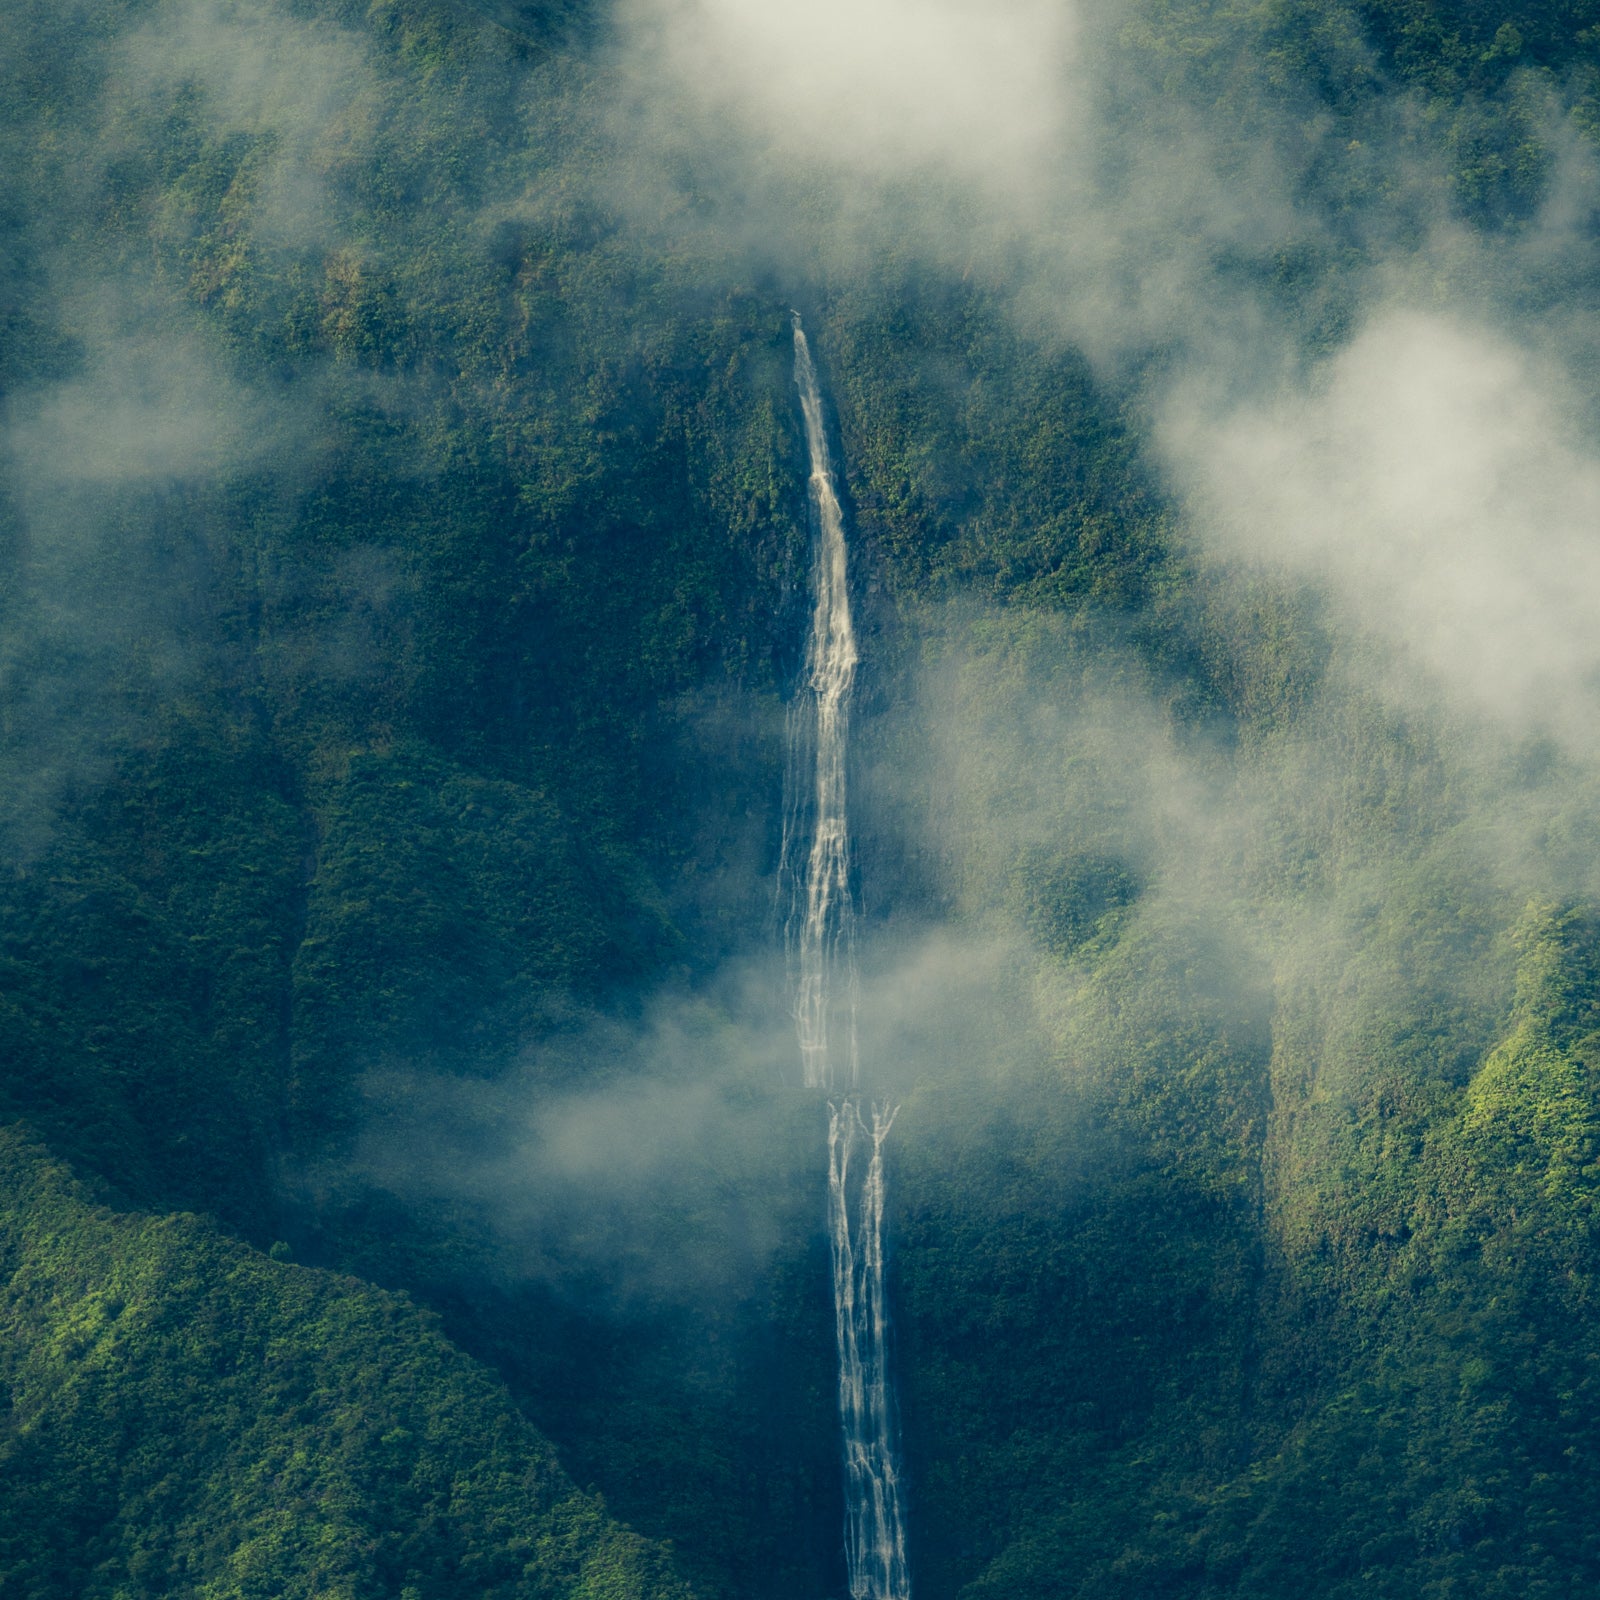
(816,856)
(819,736)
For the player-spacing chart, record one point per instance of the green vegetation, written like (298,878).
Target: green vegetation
(189,1417)
(402,557)
(1265,1275)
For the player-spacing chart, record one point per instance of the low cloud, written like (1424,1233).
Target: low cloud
(151,403)
(1437,478)
(880,87)
(302,90)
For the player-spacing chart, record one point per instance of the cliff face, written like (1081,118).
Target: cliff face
(404,542)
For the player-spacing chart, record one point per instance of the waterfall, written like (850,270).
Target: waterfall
(875,1533)
(819,729)
(816,856)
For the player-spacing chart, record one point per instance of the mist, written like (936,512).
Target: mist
(1415,434)
(1439,479)
(1404,441)
(879,91)
(406,541)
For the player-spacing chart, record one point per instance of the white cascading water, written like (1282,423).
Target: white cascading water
(875,1534)
(816,853)
(819,730)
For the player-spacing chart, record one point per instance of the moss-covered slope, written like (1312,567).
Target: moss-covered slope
(187,1416)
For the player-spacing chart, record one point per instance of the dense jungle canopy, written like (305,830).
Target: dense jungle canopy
(404,1189)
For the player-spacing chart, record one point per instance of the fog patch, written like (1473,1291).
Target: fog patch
(672,1156)
(151,404)
(881,87)
(301,89)
(1437,477)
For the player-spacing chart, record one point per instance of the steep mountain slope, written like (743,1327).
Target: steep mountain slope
(403,533)
(188,1417)
(346,632)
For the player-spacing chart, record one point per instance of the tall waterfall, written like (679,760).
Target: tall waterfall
(875,1531)
(816,853)
(819,732)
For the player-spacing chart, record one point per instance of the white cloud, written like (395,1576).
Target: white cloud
(153,404)
(879,86)
(1436,478)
